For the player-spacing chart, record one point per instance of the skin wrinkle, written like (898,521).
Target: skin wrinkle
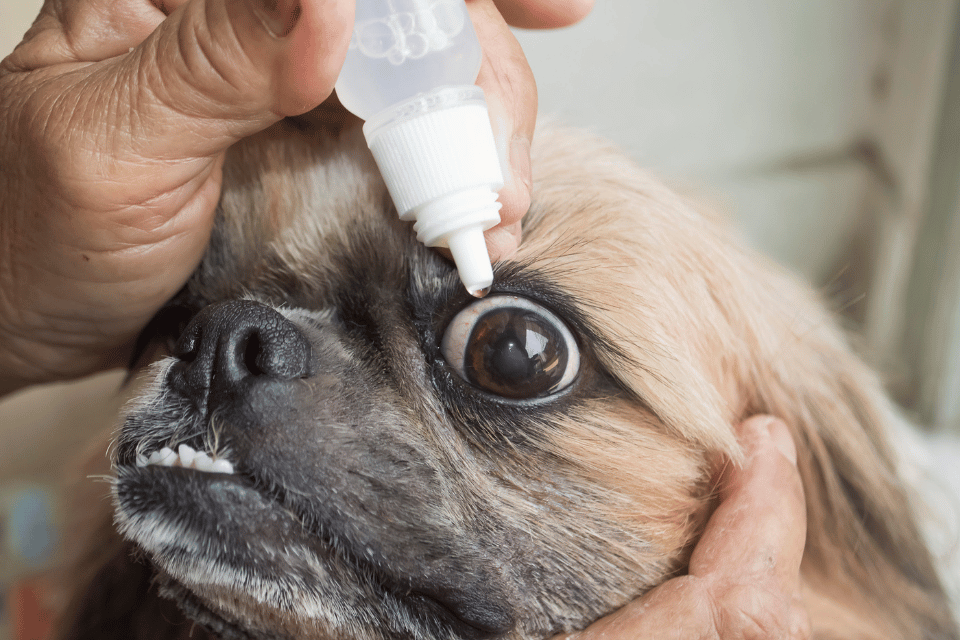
(201,179)
(201,63)
(118,242)
(41,110)
(28,353)
(62,11)
(143,214)
(213,51)
(71,327)
(42,46)
(46,116)
(202,66)
(152,95)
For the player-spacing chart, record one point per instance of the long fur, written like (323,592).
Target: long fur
(767,345)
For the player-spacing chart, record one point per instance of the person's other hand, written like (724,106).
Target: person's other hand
(744,577)
(114,119)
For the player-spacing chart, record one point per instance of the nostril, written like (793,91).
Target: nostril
(252,353)
(187,346)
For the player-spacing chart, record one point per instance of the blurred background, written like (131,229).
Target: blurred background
(829,130)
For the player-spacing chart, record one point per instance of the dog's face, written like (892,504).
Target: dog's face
(384,456)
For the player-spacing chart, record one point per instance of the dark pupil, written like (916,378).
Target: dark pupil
(515,353)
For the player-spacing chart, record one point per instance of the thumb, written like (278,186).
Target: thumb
(216,71)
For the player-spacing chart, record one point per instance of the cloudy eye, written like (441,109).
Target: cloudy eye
(512,347)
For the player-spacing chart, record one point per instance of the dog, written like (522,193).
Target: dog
(334,440)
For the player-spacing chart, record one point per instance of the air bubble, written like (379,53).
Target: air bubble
(413,33)
(375,39)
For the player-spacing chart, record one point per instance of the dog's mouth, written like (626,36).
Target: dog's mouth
(215,527)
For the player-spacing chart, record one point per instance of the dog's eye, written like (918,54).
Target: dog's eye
(512,347)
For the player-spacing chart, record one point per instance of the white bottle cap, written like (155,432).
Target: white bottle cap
(438,158)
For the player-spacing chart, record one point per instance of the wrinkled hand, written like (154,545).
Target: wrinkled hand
(744,577)
(114,119)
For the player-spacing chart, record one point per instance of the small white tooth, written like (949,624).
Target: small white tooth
(202,461)
(187,454)
(141,460)
(167,457)
(154,458)
(221,465)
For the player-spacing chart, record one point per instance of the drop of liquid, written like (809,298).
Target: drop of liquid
(480,293)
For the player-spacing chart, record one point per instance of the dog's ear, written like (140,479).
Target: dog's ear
(862,537)
(122,603)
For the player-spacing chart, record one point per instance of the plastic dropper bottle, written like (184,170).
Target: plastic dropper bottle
(409,73)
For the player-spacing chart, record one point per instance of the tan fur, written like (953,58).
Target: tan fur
(712,334)
(757,326)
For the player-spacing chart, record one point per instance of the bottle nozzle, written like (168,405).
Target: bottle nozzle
(438,158)
(469,251)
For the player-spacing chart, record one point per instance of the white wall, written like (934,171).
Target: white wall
(730,95)
(15,18)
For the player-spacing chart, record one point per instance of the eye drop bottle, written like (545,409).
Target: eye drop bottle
(409,73)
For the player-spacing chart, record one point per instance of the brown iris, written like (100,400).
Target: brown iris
(515,353)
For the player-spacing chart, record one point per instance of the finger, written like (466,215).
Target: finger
(543,14)
(760,526)
(503,241)
(83,31)
(218,70)
(95,30)
(677,609)
(511,93)
(744,572)
(688,608)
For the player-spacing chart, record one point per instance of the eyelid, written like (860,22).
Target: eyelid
(455,336)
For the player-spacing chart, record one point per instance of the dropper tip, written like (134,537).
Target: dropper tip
(469,251)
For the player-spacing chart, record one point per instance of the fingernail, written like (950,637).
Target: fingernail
(783,440)
(279,17)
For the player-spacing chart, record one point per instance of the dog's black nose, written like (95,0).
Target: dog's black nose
(231,342)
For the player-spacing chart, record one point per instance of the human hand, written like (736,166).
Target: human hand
(114,119)
(744,577)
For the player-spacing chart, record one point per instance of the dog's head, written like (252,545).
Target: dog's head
(343,443)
